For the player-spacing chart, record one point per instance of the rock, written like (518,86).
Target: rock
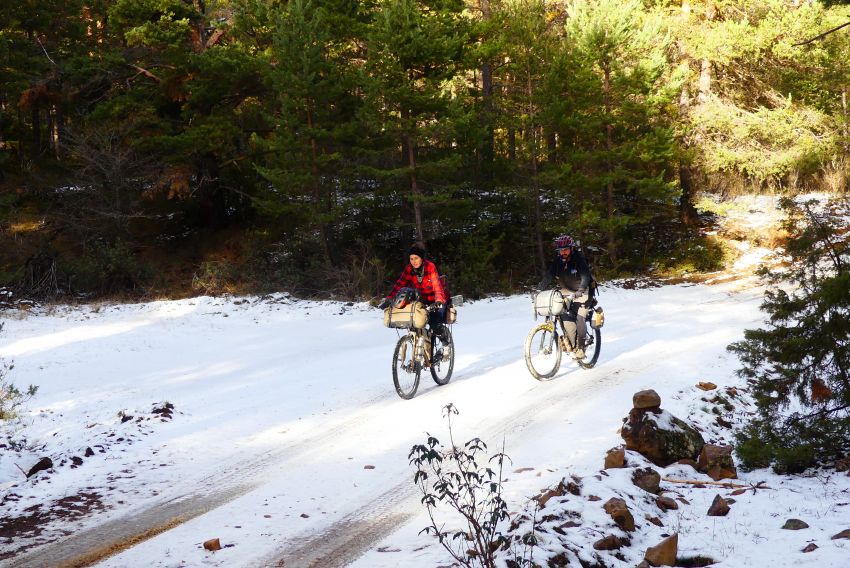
(654,520)
(616,457)
(706,386)
(558,491)
(610,542)
(843,534)
(77,460)
(843,464)
(717,462)
(690,462)
(213,544)
(41,465)
(647,479)
(368,466)
(620,513)
(795,525)
(719,507)
(646,399)
(810,547)
(89,452)
(643,564)
(594,498)
(661,437)
(666,503)
(664,553)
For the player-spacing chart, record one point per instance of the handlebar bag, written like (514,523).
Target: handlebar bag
(411,316)
(549,303)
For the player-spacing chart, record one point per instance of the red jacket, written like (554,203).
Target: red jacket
(430,288)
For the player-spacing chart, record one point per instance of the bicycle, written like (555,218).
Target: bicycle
(419,348)
(546,344)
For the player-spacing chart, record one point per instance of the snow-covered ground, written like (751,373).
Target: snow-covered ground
(287,441)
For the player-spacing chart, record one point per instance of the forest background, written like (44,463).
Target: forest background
(164,147)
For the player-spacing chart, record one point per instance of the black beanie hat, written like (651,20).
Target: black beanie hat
(418,249)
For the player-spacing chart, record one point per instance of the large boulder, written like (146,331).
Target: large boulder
(717,462)
(660,436)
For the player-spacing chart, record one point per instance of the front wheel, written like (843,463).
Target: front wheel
(442,358)
(592,348)
(406,368)
(543,352)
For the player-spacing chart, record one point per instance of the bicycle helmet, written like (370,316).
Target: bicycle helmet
(405,296)
(564,241)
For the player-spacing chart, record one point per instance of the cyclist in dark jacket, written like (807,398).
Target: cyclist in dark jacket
(422,275)
(570,269)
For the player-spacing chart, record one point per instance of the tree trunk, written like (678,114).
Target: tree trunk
(321,202)
(36,131)
(487,152)
(414,187)
(609,148)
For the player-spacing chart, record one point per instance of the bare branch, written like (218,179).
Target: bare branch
(821,36)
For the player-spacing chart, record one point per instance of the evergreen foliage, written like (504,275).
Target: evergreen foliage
(305,144)
(799,364)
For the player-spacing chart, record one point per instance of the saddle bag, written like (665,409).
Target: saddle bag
(549,303)
(411,316)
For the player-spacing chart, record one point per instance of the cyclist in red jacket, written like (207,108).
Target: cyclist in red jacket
(422,275)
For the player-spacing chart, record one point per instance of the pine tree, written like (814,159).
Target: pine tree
(799,364)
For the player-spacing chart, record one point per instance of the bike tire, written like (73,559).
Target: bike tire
(544,337)
(406,370)
(591,350)
(441,371)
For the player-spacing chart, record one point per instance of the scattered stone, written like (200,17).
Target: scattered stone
(76,460)
(664,553)
(666,503)
(810,547)
(723,422)
(738,492)
(843,534)
(305,516)
(647,479)
(41,465)
(646,399)
(616,457)
(610,542)
(619,512)
(654,520)
(717,462)
(706,386)
(213,544)
(594,498)
(368,467)
(719,507)
(523,469)
(89,452)
(795,525)
(690,462)
(126,418)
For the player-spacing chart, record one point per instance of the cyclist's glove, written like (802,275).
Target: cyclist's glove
(385,303)
(438,305)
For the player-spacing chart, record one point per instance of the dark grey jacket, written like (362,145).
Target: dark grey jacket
(572,275)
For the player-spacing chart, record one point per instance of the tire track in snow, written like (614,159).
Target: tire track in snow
(349,538)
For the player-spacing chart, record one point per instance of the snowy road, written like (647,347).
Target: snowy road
(288,442)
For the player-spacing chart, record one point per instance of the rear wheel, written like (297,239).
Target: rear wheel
(406,369)
(592,348)
(543,352)
(442,358)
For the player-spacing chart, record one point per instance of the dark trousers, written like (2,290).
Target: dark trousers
(436,320)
